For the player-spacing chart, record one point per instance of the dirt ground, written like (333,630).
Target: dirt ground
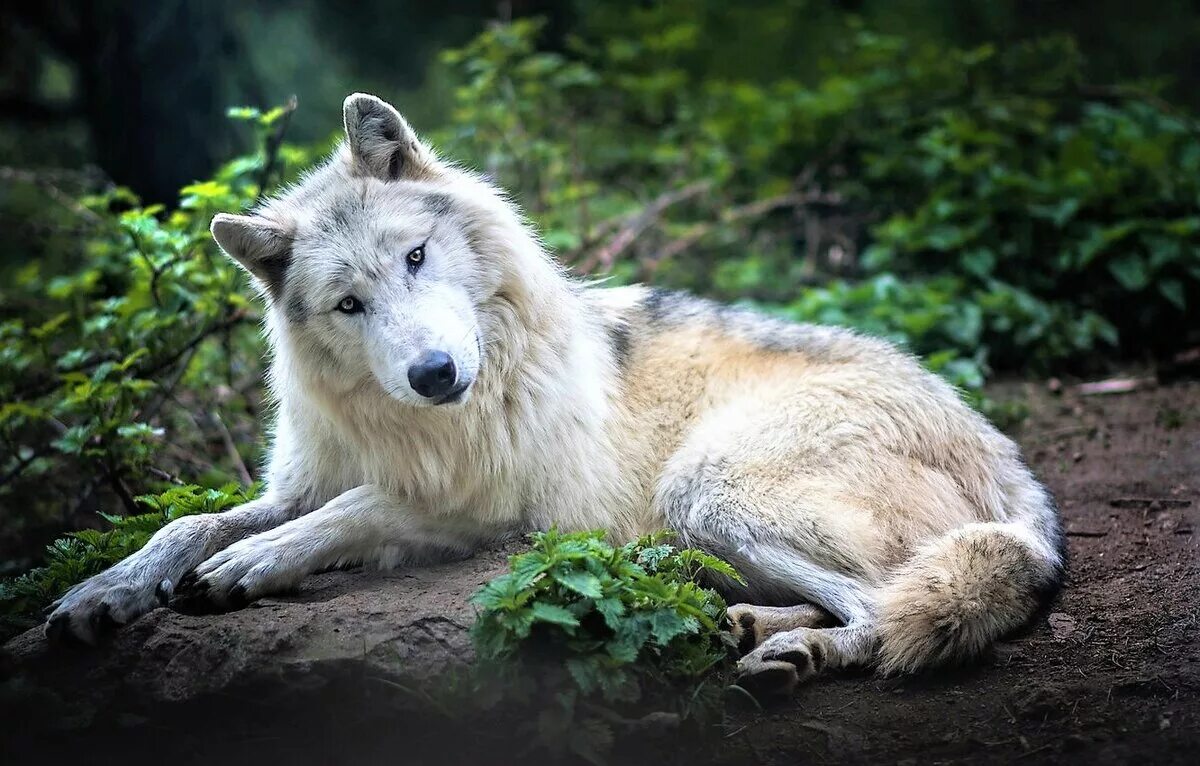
(1112,675)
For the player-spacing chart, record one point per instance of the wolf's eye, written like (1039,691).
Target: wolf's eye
(350,305)
(415,257)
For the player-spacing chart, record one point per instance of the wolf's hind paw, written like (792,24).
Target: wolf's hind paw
(777,667)
(744,628)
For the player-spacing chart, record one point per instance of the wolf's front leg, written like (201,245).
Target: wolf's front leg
(365,525)
(136,585)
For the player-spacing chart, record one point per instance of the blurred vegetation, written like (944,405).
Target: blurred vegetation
(994,199)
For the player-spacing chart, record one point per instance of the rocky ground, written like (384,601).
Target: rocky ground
(353,669)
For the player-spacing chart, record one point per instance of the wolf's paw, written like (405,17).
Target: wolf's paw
(751,625)
(100,604)
(745,627)
(781,664)
(231,579)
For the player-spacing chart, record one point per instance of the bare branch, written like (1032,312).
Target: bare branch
(755,209)
(636,224)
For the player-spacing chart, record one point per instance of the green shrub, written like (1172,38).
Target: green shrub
(1022,218)
(603,626)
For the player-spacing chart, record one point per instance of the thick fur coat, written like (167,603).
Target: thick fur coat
(441,383)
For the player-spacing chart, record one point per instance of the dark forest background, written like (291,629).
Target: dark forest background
(140,88)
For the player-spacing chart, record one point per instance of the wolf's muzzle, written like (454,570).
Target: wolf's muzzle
(433,375)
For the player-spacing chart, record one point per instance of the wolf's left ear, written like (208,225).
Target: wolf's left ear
(263,247)
(381,143)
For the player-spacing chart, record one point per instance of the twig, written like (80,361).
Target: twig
(754,209)
(274,142)
(43,181)
(164,475)
(231,448)
(118,485)
(165,392)
(22,463)
(1114,386)
(45,387)
(635,225)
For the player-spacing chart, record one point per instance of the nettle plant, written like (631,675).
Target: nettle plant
(597,626)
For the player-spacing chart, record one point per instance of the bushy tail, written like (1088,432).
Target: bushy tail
(964,590)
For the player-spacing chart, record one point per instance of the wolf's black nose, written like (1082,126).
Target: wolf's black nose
(433,375)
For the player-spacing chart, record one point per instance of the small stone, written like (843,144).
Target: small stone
(1062,625)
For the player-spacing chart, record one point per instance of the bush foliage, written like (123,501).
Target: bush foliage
(603,626)
(991,210)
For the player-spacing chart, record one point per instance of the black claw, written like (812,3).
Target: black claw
(195,596)
(102,620)
(56,629)
(237,597)
(188,581)
(191,596)
(748,640)
(163,592)
(801,660)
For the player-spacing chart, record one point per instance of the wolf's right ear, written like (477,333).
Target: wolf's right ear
(261,246)
(381,143)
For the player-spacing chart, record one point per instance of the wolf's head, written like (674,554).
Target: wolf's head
(383,267)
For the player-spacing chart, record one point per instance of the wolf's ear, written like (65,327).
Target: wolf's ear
(261,246)
(381,143)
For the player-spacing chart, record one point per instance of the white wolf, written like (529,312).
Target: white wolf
(441,383)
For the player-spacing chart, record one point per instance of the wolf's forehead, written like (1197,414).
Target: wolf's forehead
(364,210)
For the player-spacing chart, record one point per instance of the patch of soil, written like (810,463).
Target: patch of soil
(1112,675)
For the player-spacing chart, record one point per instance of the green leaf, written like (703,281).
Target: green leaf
(552,613)
(1172,290)
(1130,271)
(583,583)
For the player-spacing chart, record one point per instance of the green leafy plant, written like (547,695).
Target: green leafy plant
(605,626)
(79,555)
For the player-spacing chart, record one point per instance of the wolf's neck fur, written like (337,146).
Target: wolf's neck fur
(532,445)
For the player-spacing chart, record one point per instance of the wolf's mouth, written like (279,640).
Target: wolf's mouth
(455,394)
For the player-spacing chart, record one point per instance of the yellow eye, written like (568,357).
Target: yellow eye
(416,256)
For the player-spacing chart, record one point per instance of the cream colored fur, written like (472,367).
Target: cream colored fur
(892,524)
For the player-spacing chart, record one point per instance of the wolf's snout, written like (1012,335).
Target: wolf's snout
(433,375)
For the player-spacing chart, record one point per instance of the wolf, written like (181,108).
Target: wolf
(442,383)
